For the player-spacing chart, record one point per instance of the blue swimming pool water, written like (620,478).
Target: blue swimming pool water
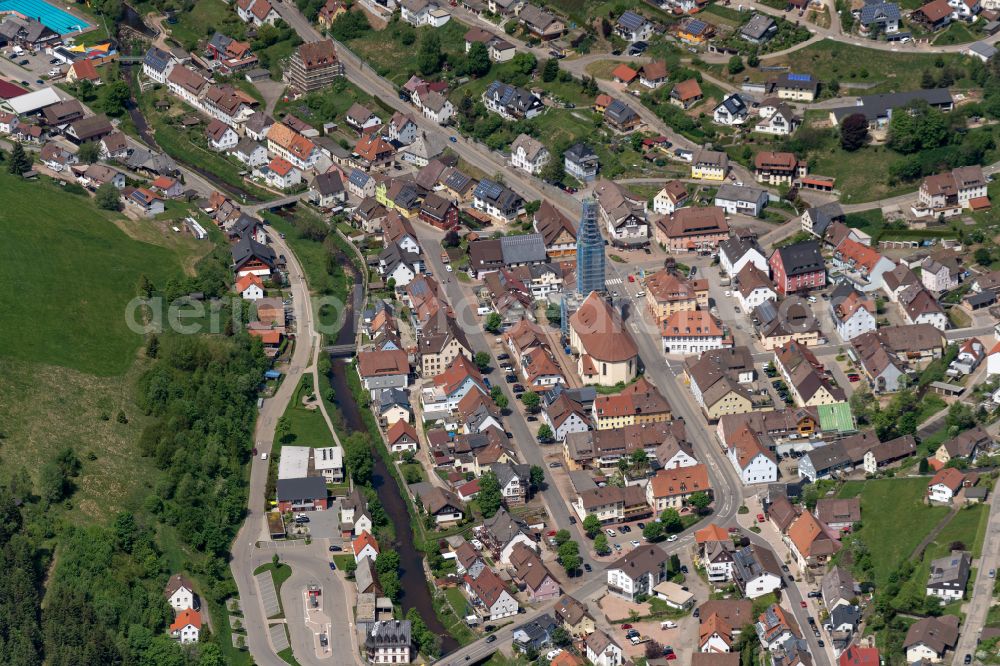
(49,15)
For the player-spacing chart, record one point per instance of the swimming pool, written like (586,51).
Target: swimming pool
(49,15)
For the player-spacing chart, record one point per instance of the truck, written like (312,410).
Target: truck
(445,258)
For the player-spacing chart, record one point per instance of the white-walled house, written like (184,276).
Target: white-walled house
(735,253)
(528,154)
(180,593)
(602,650)
(186,626)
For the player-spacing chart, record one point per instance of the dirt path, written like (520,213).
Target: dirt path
(918,552)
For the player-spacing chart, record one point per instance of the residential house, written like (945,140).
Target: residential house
(810,545)
(732,110)
(621,117)
(574,616)
(777,168)
(777,119)
(968,446)
(879,18)
(180,593)
(623,214)
(941,273)
(928,639)
(497,201)
(528,154)
(257,12)
(775,626)
(838,514)
(305,494)
(532,576)
(741,199)
(756,571)
(751,459)
(540,23)
(709,165)
(186,626)
(511,102)
(221,137)
(759,29)
(795,87)
(388,641)
(735,253)
(853,314)
(686,94)
(501,533)
(286,143)
(637,404)
(557,231)
(919,306)
(633,27)
(668,292)
(653,74)
(672,196)
(949,576)
(818,219)
(888,453)
(156,64)
(581,162)
(637,572)
(602,650)
(754,288)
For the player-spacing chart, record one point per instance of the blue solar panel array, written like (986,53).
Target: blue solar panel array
(696,27)
(800,77)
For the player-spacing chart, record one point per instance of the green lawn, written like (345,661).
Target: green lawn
(70,273)
(894,519)
(956,33)
(862,175)
(201,20)
(307,426)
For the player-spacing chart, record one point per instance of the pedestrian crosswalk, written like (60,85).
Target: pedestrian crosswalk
(612,282)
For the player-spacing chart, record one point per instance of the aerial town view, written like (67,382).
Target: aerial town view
(499,332)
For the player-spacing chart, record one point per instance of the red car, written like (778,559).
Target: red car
(853,378)
(551,533)
(631,278)
(803,604)
(626,626)
(734,530)
(671,656)
(760,517)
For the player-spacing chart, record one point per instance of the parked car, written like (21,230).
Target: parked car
(532,418)
(641,526)
(335,549)
(587,567)
(553,465)
(626,626)
(611,533)
(672,537)
(803,604)
(625,529)
(333,565)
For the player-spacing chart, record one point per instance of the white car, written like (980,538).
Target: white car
(672,537)
(448,268)
(263,456)
(611,533)
(635,543)
(728,294)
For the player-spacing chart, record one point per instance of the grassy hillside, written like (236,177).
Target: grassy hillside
(69,272)
(98,527)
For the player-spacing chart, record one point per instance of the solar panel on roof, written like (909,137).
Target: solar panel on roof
(799,77)
(696,26)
